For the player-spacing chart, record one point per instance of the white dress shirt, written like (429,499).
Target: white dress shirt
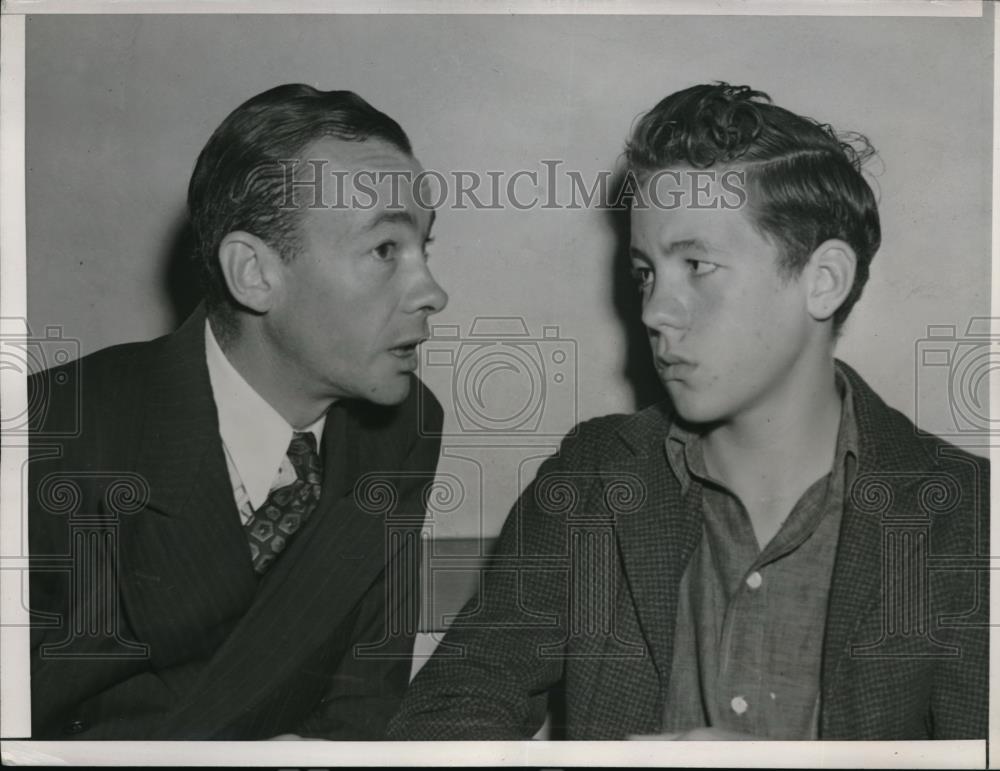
(254,435)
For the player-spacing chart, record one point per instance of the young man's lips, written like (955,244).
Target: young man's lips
(673,366)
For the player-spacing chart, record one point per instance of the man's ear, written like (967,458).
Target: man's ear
(831,275)
(252,270)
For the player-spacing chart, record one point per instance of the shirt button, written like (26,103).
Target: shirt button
(739,705)
(754,580)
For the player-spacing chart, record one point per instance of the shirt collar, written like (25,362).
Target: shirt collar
(253,432)
(684,450)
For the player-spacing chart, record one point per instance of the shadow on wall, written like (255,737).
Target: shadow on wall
(180,275)
(638,370)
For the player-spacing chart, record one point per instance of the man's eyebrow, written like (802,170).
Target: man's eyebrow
(391,216)
(686,245)
(404,216)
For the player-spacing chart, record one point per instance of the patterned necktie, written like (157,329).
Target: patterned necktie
(286,508)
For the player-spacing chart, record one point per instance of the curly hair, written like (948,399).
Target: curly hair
(239,181)
(804,178)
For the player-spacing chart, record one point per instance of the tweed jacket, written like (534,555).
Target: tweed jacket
(581,594)
(148,620)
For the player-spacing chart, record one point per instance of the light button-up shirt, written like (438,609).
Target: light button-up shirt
(254,435)
(748,642)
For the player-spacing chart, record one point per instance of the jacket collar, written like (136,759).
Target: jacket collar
(659,537)
(180,431)
(892,462)
(186,557)
(886,439)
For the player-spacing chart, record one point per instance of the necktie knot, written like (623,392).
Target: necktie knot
(304,456)
(287,508)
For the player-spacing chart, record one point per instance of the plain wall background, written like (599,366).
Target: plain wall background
(118,108)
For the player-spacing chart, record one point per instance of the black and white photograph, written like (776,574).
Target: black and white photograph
(561,383)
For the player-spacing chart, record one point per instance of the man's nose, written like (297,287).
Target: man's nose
(428,296)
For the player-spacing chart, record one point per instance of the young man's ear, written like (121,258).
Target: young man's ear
(252,270)
(831,276)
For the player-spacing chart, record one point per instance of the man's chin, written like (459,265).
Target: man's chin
(391,391)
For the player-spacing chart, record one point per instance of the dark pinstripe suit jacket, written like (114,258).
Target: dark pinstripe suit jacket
(582,594)
(148,621)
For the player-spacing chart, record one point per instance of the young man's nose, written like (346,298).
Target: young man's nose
(664,310)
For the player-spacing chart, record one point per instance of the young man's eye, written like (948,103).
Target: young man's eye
(385,251)
(427,245)
(642,276)
(702,268)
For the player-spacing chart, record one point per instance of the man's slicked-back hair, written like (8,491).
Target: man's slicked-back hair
(239,180)
(804,180)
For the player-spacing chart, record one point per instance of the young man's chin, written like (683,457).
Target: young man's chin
(691,407)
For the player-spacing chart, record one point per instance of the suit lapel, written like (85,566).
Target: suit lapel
(185,561)
(340,533)
(658,538)
(855,586)
(309,591)
(883,489)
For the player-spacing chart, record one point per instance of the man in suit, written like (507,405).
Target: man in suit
(223,545)
(772,553)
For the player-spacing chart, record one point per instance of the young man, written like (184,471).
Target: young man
(206,561)
(750,558)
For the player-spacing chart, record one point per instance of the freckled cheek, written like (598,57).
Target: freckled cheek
(707,311)
(733,333)
(750,314)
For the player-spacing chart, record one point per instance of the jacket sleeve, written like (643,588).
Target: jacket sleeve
(959,705)
(367,685)
(490,676)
